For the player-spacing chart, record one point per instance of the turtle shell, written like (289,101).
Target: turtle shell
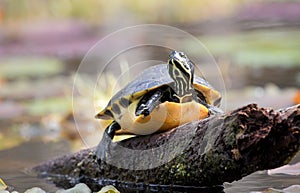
(155,77)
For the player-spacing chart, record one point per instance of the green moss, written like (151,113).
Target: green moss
(178,170)
(231,133)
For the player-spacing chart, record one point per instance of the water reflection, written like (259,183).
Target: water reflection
(130,187)
(15,163)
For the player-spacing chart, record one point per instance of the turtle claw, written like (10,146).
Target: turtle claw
(144,112)
(149,103)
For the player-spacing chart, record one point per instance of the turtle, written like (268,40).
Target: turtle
(162,97)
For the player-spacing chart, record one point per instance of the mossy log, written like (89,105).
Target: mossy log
(219,149)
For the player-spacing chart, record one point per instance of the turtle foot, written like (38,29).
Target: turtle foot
(103,149)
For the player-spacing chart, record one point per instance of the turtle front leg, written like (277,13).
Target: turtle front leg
(147,104)
(103,148)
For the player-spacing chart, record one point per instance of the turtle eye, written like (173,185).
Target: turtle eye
(181,54)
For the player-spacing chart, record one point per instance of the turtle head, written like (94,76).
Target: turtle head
(181,70)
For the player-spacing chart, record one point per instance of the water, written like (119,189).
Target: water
(16,162)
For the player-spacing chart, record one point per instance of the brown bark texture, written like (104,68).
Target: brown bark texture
(221,148)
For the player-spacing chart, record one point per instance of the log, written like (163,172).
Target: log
(209,152)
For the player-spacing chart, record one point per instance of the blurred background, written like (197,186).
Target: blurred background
(256,45)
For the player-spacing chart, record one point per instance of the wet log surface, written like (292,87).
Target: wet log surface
(219,149)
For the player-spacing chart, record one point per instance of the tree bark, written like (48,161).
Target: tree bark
(222,148)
